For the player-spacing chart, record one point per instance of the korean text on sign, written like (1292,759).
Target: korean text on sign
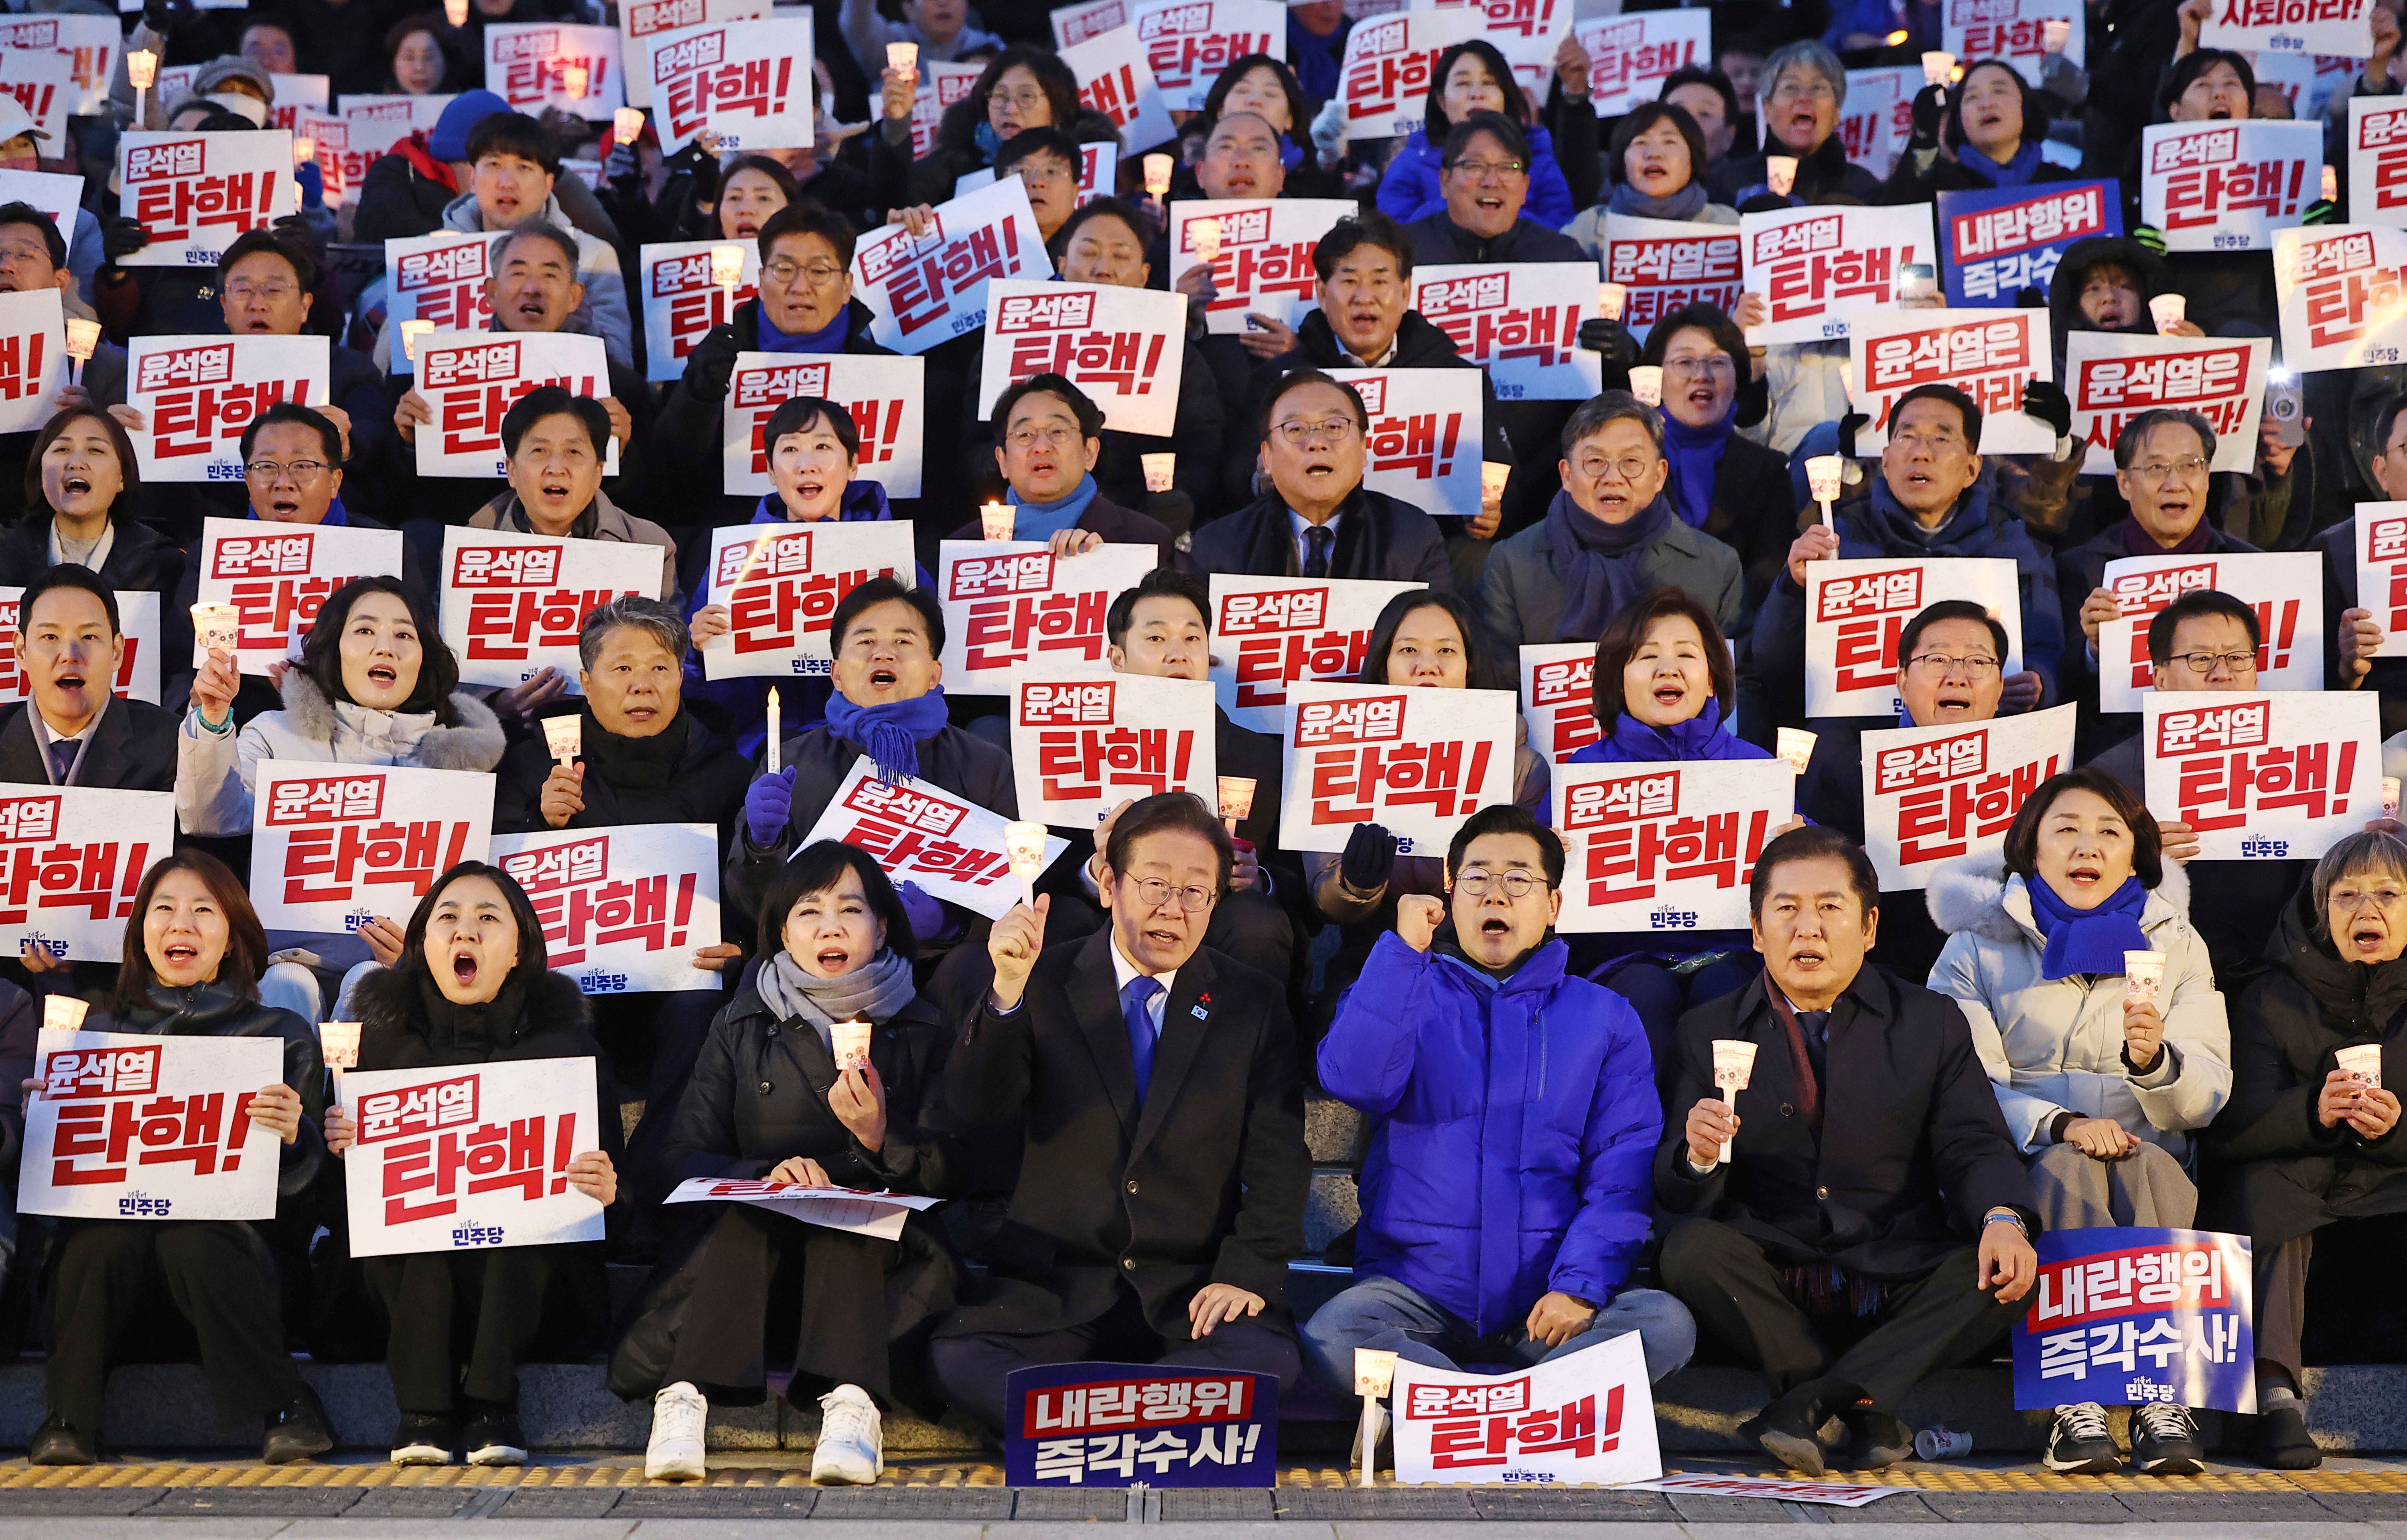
(1855,611)
(438,278)
(2376,164)
(2292,26)
(1360,754)
(1520,322)
(2382,572)
(2277,776)
(641,19)
(1119,1425)
(1932,794)
(1264,266)
(1989,355)
(200,392)
(1189,42)
(781,583)
(535,65)
(622,908)
(1385,75)
(922,834)
(1015,610)
(2015,31)
(126,1126)
(1585,1416)
(2344,303)
(514,604)
(70,860)
(196,193)
(882,395)
(1125,347)
(1081,746)
(747,82)
(471,379)
(1115,81)
(2127,1317)
(680,302)
(32,357)
(1816,266)
(1997,243)
(1878,115)
(1665,847)
(2227,186)
(1558,706)
(1632,56)
(2286,589)
(333,847)
(928,290)
(137,671)
(469,1157)
(277,574)
(1669,263)
(2112,379)
(1426,437)
(1270,634)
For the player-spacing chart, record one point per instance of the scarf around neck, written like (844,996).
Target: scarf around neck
(2088,941)
(893,732)
(635,763)
(1598,563)
(1684,204)
(1641,743)
(829,338)
(1042,520)
(2137,540)
(878,989)
(1902,534)
(1694,454)
(2017,172)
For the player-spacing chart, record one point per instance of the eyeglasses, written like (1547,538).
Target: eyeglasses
(1042,173)
(1481,171)
(1716,366)
(2159,471)
(1156,894)
(1516,884)
(1628,467)
(272,470)
(1927,443)
(1939,665)
(1790,89)
(785,270)
(2349,900)
(2205,662)
(23,256)
(1052,438)
(273,293)
(1026,99)
(1332,430)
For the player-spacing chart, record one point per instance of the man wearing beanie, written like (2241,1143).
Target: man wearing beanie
(405,191)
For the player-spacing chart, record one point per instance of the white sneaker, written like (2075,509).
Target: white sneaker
(850,1451)
(675,1451)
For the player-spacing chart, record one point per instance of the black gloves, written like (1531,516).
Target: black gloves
(121,236)
(1611,339)
(1370,858)
(1929,111)
(708,367)
(1850,426)
(1767,203)
(2047,401)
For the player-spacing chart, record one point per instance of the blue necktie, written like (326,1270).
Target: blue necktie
(1315,557)
(1815,1024)
(1142,1037)
(62,758)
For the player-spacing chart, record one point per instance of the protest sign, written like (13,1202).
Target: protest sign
(537,65)
(127,1125)
(1270,634)
(2343,305)
(329,138)
(465,1157)
(681,302)
(2381,542)
(274,573)
(2284,588)
(196,193)
(1520,322)
(1187,43)
(2292,26)
(849,1209)
(335,846)
(137,671)
(1137,1424)
(200,392)
(32,357)
(921,292)
(2159,1316)
(640,20)
(1426,438)
(513,604)
(1079,747)
(1630,57)
(940,86)
(1877,117)
(1932,794)
(60,197)
(1558,704)
(1075,23)
(443,279)
(1587,1416)
(2275,776)
(89,43)
(1383,79)
(1115,81)
(1665,847)
(43,82)
(1098,165)
(1666,265)
(1816,266)
(781,583)
(399,115)
(70,860)
(2376,161)
(2225,186)
(748,83)
(1836,1494)
(924,834)
(2015,31)
(1417,761)
(1125,347)
(1989,355)
(1998,241)
(1264,266)
(1528,32)
(625,908)
(470,380)
(1015,610)
(1854,610)
(882,395)
(2113,377)
(296,94)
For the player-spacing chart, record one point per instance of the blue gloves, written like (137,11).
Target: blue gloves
(926,914)
(768,802)
(312,183)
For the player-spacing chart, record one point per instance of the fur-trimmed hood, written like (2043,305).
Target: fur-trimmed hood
(543,1015)
(359,734)
(1971,893)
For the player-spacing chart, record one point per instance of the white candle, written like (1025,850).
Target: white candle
(456,12)
(773,739)
(727,267)
(573,78)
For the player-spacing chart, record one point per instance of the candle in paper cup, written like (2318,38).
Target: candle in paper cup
(456,12)
(1610,298)
(2390,797)
(1236,799)
(902,58)
(851,1043)
(2054,36)
(2168,309)
(1374,1371)
(1797,747)
(726,266)
(1023,846)
(565,736)
(2360,1062)
(62,1013)
(83,338)
(776,743)
(1917,282)
(338,1042)
(1734,1064)
(626,125)
(142,65)
(1822,475)
(1943,1442)
(1207,239)
(572,80)
(304,151)
(1780,172)
(412,333)
(1647,383)
(1157,174)
(214,626)
(1492,477)
(1160,471)
(2332,184)
(995,520)
(1937,68)
(2144,975)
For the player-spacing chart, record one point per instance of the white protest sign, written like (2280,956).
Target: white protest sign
(70,860)
(1098,165)
(273,573)
(2284,588)
(1080,747)
(1989,355)
(2343,305)
(538,64)
(471,379)
(1630,57)
(2375,162)
(1426,438)
(885,397)
(2292,26)
(1666,265)
(1270,634)
(294,94)
(940,86)
(90,45)
(440,279)
(1187,43)
(1527,33)
(372,125)
(1385,77)
(622,908)
(1416,761)
(465,1157)
(1115,81)
(32,357)
(924,834)
(2015,31)
(681,302)
(1125,347)
(60,197)
(196,193)
(1586,1417)
(851,1209)
(513,604)
(781,583)
(330,139)
(1265,265)
(1878,117)
(1075,23)
(921,292)
(2381,572)
(127,1125)
(1932,794)
(2275,776)
(1558,704)
(1854,610)
(1666,847)
(2113,377)
(1015,610)
(333,846)
(637,21)
(44,84)
(137,671)
(1837,1494)
(1817,266)
(747,82)
(200,392)
(1520,322)
(2227,186)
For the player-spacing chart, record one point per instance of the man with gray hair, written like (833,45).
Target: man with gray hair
(1805,88)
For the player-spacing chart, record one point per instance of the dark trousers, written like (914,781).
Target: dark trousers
(2344,1279)
(461,1321)
(973,1370)
(1923,1325)
(829,1284)
(113,1272)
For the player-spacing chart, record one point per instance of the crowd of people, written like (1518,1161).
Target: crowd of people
(1107,1084)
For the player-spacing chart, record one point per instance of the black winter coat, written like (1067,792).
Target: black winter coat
(1377,537)
(140,560)
(132,749)
(214,1011)
(686,774)
(406,1023)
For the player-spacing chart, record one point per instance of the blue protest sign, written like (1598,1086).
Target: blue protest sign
(2122,1317)
(1117,1424)
(1994,244)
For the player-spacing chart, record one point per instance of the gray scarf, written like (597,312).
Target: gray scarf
(877,991)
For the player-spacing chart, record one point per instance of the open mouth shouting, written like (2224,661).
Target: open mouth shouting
(2085,876)
(1954,703)
(465,963)
(383,677)
(1670,694)
(180,956)
(76,488)
(554,490)
(2366,935)
(530,309)
(833,957)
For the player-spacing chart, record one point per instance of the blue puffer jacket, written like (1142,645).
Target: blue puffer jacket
(1409,190)
(1516,1128)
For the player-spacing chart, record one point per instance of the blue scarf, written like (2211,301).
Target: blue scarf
(1637,742)
(2017,172)
(2088,941)
(863,503)
(337,519)
(1694,453)
(1042,520)
(829,338)
(891,733)
(1687,204)
(1598,563)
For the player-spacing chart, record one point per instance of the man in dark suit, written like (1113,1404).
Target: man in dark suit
(1162,1188)
(1049,438)
(74,733)
(1799,1237)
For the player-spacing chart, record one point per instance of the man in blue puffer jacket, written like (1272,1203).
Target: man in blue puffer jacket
(1506,1195)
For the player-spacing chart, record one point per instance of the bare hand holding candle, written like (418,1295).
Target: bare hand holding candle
(1237,799)
(215,628)
(1023,846)
(1733,1064)
(1822,475)
(565,736)
(851,1042)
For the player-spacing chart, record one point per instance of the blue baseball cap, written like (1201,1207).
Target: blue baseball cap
(449,140)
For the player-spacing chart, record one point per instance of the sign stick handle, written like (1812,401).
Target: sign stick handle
(1729,1096)
(1826,521)
(1370,1450)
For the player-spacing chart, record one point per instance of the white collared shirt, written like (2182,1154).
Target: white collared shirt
(1123,970)
(1301,527)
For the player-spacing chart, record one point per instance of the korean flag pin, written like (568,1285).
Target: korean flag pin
(1197,1012)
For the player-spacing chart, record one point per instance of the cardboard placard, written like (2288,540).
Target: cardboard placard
(32,356)
(513,604)
(535,64)
(198,394)
(1669,263)
(90,45)
(885,397)
(137,671)
(1630,57)
(2015,31)
(1586,1417)
(781,583)
(1116,80)
(1856,609)
(1877,119)
(443,279)
(921,292)
(274,574)
(60,197)
(1416,761)
(940,86)
(1558,702)
(1075,23)
(471,379)
(2114,377)
(1272,634)
(2227,186)
(2292,26)
(624,909)
(127,1125)
(71,859)
(2284,588)
(747,82)
(472,1156)
(2381,572)
(1665,847)
(2342,303)
(1134,1424)
(333,846)
(2375,162)
(2274,776)
(1817,266)
(1989,355)
(43,81)
(1997,243)
(920,833)
(1187,43)
(1080,747)
(1934,794)
(1264,266)
(1014,611)
(1426,439)
(1125,347)
(196,193)
(1385,75)
(640,18)
(2138,1315)
(1520,322)
(681,302)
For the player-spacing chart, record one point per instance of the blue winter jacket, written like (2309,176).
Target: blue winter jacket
(1516,1126)
(1409,190)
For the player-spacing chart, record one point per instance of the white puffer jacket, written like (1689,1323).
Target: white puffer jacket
(2056,1045)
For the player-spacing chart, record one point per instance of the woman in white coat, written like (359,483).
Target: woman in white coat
(2101,1084)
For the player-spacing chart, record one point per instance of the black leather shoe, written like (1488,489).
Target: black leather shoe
(299,1432)
(56,1443)
(1875,1440)
(2279,1441)
(1788,1431)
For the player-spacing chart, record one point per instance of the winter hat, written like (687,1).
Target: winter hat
(449,140)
